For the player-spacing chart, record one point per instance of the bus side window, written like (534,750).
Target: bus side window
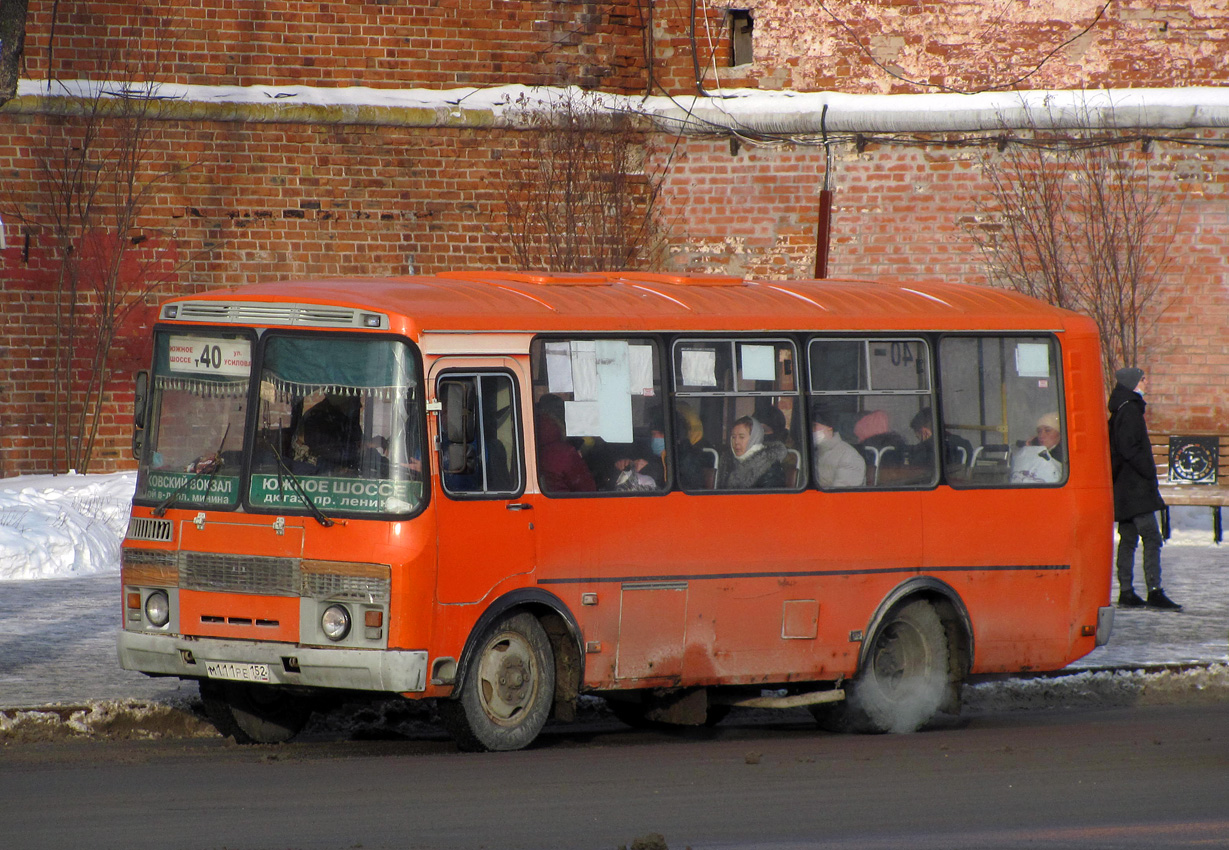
(480,443)
(599,420)
(876,396)
(1002,400)
(737,410)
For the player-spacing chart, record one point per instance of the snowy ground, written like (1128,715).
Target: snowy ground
(59,566)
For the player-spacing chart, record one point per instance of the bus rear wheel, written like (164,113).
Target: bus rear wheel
(254,714)
(904,681)
(508,690)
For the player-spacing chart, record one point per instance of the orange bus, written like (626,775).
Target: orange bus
(682,493)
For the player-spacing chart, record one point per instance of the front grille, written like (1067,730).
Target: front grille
(346,588)
(148,557)
(157,530)
(239,574)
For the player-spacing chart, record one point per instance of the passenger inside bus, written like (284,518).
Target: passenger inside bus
(776,429)
(751,463)
(957,451)
(835,462)
(885,450)
(561,469)
(1040,460)
(695,456)
(331,436)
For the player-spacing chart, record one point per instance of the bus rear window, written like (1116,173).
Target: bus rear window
(338,427)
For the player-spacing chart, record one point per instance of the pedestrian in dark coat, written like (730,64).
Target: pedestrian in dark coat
(1137,495)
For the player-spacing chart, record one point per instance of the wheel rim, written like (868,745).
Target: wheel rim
(507,679)
(900,660)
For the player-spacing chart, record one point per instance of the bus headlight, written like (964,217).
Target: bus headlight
(335,622)
(158,609)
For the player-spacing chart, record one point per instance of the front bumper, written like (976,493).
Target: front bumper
(392,671)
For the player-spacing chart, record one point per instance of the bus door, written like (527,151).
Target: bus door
(485,526)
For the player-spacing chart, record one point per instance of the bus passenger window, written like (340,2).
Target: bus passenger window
(598,417)
(869,394)
(1002,395)
(737,404)
(486,460)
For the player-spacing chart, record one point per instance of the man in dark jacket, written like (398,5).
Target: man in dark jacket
(1137,496)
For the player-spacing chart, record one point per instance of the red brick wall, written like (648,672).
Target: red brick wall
(436,44)
(910,46)
(270,200)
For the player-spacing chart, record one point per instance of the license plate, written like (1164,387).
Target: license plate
(237,672)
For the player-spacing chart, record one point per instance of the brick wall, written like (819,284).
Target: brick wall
(257,201)
(846,45)
(382,44)
(910,46)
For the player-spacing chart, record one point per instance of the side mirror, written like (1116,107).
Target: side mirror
(140,402)
(459,415)
(140,407)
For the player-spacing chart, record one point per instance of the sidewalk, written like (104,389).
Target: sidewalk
(1195,573)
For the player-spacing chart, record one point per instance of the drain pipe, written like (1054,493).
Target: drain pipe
(823,234)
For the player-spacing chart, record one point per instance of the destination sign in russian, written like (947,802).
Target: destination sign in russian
(208,356)
(338,494)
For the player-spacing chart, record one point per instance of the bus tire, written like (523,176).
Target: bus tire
(508,690)
(254,714)
(904,681)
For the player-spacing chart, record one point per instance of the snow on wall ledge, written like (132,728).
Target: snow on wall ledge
(738,110)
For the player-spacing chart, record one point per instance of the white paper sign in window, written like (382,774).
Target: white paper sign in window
(584,370)
(640,362)
(699,366)
(1033,360)
(758,362)
(559,367)
(582,418)
(614,390)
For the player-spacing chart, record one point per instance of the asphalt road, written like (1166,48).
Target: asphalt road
(1132,778)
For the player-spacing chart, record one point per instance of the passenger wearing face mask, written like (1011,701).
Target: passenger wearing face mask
(835,462)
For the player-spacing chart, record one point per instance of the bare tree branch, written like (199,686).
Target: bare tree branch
(1075,218)
(581,196)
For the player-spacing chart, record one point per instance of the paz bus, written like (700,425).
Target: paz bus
(683,493)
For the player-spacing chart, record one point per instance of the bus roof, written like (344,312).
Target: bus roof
(645,302)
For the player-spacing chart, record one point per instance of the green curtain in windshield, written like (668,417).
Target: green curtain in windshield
(301,365)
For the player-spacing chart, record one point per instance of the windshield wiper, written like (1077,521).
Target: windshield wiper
(294,479)
(208,464)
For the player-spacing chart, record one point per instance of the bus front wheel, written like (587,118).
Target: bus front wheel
(254,714)
(508,690)
(904,681)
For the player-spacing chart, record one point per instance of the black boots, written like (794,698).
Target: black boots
(1130,599)
(1158,600)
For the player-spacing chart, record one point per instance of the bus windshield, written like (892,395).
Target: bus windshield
(198,411)
(337,428)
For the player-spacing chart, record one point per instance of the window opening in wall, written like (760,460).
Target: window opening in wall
(741,27)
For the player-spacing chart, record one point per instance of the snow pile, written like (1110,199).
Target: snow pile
(63,525)
(105,719)
(1199,685)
